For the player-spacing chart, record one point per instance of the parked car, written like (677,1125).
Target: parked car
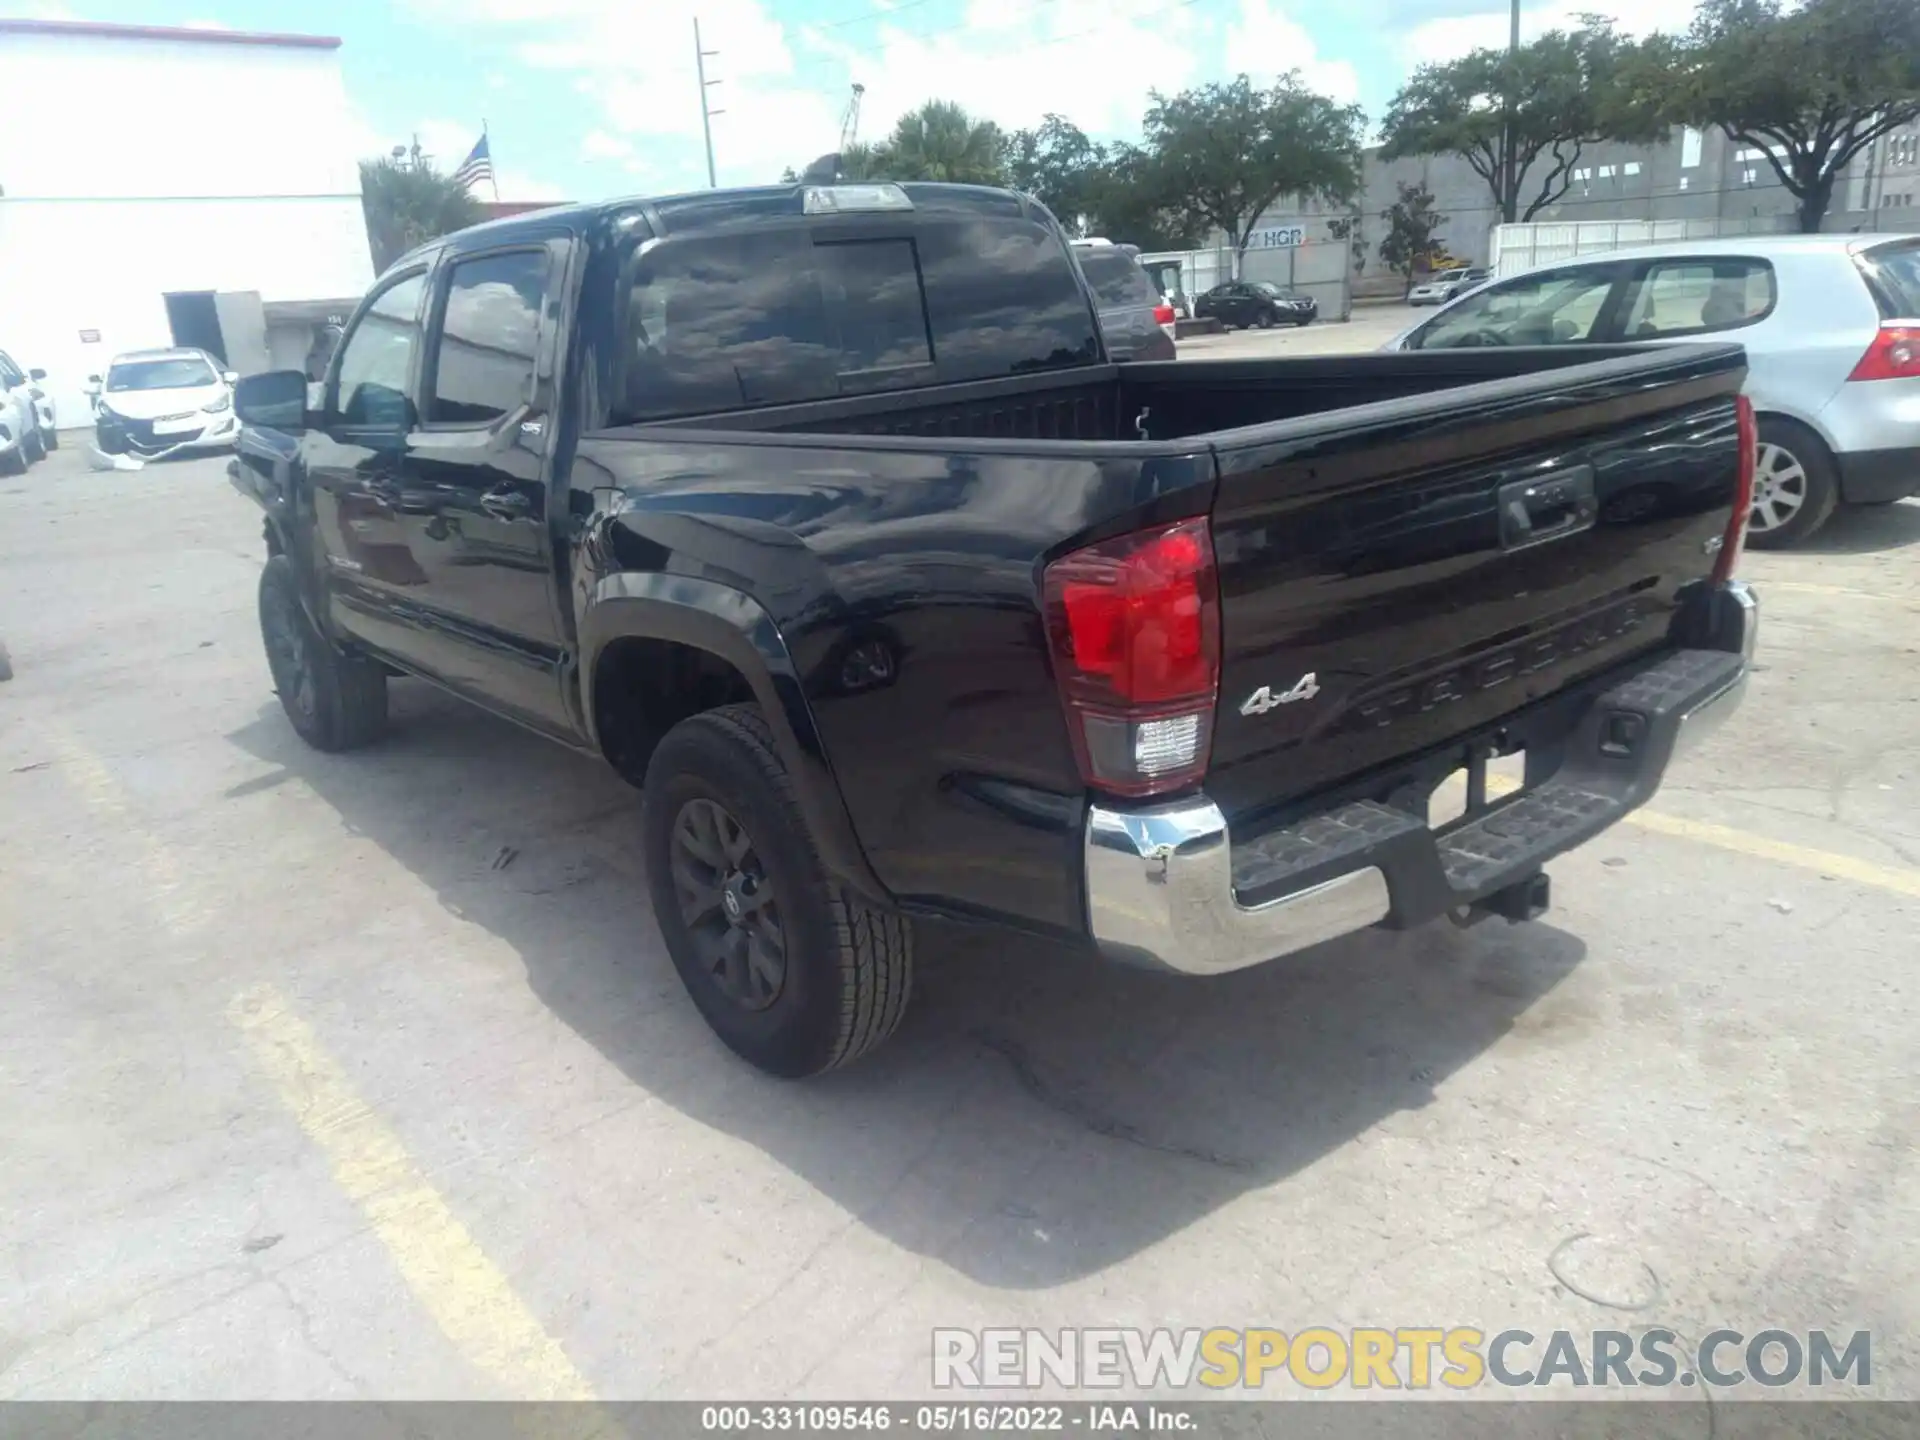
(823,516)
(1255,304)
(1135,320)
(22,441)
(154,403)
(1443,286)
(1831,326)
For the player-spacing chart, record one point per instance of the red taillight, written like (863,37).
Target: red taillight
(1134,626)
(1735,539)
(1163,314)
(1893,355)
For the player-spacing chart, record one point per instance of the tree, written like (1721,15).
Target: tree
(941,141)
(409,204)
(1503,112)
(1810,87)
(1134,202)
(1352,229)
(1225,152)
(1059,166)
(1412,226)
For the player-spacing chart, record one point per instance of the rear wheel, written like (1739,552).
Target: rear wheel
(33,447)
(14,462)
(794,972)
(336,701)
(1795,485)
(52,439)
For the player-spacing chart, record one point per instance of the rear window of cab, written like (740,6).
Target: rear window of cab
(783,311)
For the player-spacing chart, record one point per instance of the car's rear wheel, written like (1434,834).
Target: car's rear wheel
(794,972)
(51,438)
(14,461)
(33,447)
(1795,485)
(335,701)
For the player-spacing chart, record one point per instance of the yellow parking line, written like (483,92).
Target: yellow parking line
(446,1269)
(1899,880)
(450,1275)
(1826,862)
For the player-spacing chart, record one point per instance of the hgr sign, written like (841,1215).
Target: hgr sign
(1285,237)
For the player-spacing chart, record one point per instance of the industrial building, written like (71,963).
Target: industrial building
(172,186)
(1693,175)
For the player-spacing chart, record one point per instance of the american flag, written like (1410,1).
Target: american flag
(477,166)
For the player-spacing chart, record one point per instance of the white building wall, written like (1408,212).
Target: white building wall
(161,165)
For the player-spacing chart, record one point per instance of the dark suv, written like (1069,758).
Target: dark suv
(1135,319)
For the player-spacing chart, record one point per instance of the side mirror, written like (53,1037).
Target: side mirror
(276,400)
(36,374)
(232,377)
(93,379)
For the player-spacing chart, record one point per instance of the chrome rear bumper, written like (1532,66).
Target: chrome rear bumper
(1167,888)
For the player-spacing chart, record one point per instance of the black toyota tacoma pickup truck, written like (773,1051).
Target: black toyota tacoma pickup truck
(821,514)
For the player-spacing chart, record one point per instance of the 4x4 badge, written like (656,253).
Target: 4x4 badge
(1263,699)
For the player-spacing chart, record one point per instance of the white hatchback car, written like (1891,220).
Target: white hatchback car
(155,402)
(1831,326)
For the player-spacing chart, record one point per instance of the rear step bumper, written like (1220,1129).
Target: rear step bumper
(1168,888)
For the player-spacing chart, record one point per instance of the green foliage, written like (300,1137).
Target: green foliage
(1353,230)
(408,205)
(1552,97)
(1110,190)
(1223,153)
(1811,85)
(1412,226)
(939,141)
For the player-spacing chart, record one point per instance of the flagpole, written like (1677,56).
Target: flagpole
(493,173)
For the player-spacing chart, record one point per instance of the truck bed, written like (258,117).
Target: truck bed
(1377,554)
(1163,400)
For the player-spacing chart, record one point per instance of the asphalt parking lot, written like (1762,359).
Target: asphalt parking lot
(367,1075)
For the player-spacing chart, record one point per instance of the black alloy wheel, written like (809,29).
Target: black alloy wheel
(290,655)
(729,905)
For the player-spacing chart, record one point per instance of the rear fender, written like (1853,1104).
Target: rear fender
(733,626)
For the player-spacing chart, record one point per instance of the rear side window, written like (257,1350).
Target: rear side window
(374,367)
(1697,297)
(1895,273)
(720,321)
(484,359)
(1117,280)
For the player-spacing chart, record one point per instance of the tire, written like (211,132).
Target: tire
(14,462)
(52,439)
(335,701)
(844,967)
(1263,321)
(33,447)
(1796,485)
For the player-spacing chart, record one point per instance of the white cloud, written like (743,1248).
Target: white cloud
(1273,34)
(783,86)
(1454,35)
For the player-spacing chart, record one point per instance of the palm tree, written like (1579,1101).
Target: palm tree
(408,205)
(940,141)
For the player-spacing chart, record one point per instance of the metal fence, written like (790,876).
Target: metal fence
(1320,268)
(1522,247)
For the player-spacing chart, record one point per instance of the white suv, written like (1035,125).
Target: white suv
(1831,326)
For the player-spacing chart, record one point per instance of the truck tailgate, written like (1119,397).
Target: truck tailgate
(1394,577)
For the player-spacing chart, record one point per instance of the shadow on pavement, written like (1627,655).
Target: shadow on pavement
(1040,1115)
(1866,529)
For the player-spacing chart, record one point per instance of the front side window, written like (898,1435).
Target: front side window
(181,373)
(1695,297)
(489,340)
(1557,308)
(378,358)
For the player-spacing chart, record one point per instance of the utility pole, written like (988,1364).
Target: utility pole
(1510,175)
(700,58)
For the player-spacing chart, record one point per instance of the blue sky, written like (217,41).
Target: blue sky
(586,98)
